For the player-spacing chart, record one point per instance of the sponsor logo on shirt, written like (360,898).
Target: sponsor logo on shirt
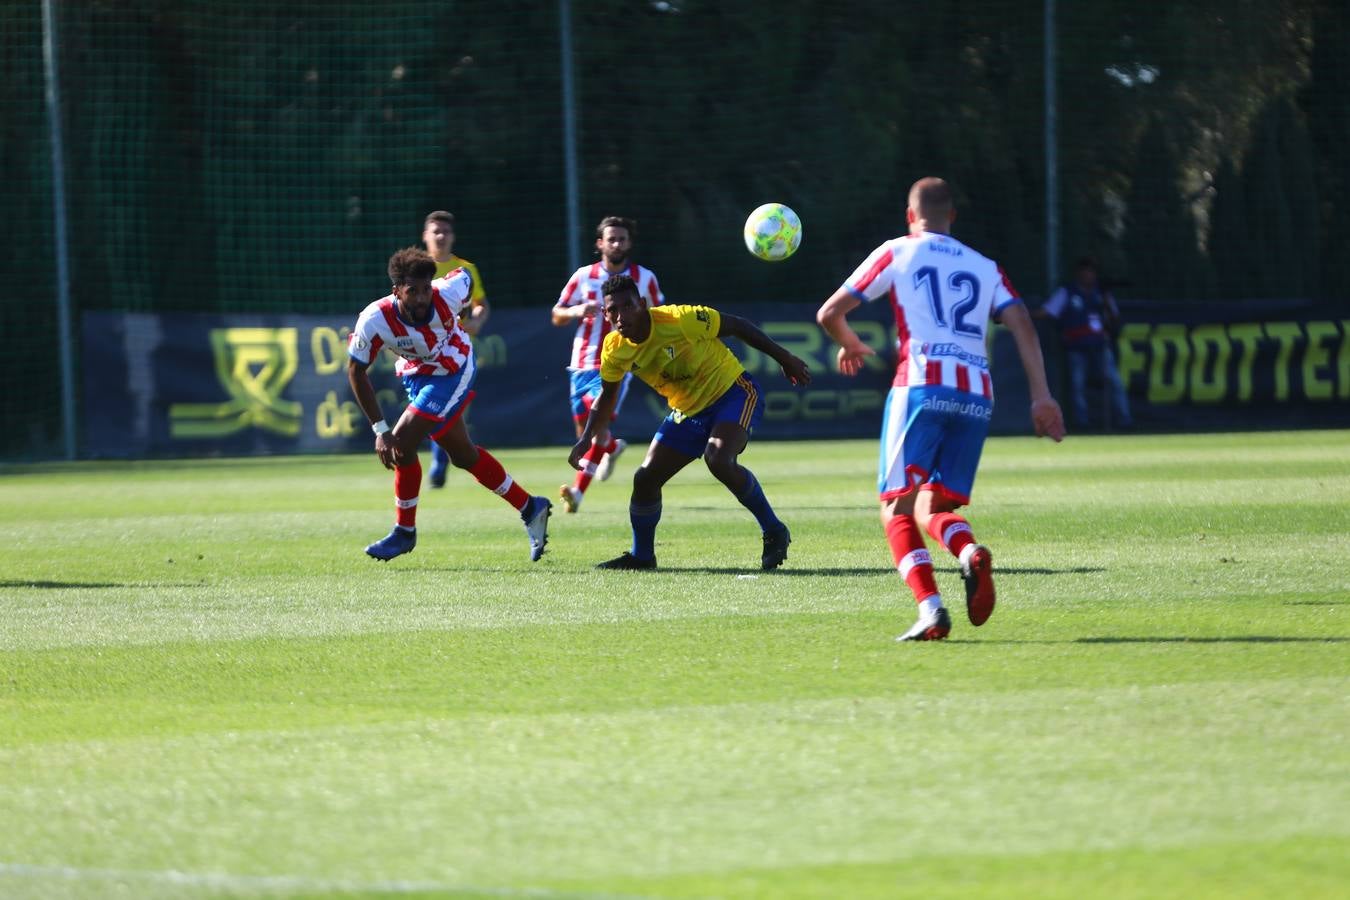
(955,351)
(974,408)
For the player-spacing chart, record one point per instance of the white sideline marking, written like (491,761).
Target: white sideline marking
(231,882)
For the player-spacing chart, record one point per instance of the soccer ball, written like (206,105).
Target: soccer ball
(773,232)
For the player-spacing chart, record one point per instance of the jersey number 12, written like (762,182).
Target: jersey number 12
(963,283)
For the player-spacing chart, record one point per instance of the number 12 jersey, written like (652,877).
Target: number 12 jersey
(943,295)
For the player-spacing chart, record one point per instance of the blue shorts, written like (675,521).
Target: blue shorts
(741,403)
(586,385)
(931,439)
(441,398)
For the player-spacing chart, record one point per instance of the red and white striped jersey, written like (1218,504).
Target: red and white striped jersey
(438,347)
(943,294)
(583,287)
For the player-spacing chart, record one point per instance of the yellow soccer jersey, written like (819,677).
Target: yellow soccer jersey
(682,359)
(477,296)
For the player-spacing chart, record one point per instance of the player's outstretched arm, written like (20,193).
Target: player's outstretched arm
(1046,416)
(571,315)
(359,378)
(794,370)
(597,423)
(833,318)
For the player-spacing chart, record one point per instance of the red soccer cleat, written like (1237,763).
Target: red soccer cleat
(977,572)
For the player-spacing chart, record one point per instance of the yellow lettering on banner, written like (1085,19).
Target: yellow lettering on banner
(254,366)
(1343,363)
(780,406)
(1131,360)
(1286,333)
(328,349)
(801,339)
(1168,385)
(1247,336)
(1316,358)
(333,419)
(820,405)
(817,405)
(1212,389)
(860,401)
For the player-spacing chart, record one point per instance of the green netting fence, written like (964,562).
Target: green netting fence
(242,156)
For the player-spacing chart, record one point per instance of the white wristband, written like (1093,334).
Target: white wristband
(380,427)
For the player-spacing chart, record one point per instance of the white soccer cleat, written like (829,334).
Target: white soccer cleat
(571,497)
(933,627)
(536,526)
(606,467)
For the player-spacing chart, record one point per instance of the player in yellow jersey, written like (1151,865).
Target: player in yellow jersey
(714,405)
(438,236)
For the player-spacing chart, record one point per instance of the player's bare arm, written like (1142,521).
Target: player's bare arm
(570,315)
(833,318)
(597,423)
(364,392)
(476,317)
(1046,416)
(794,370)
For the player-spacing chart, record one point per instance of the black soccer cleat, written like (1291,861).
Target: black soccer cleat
(628,561)
(775,548)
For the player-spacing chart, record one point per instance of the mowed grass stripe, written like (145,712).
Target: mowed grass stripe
(787,783)
(200,673)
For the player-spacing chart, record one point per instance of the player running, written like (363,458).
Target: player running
(419,322)
(937,413)
(714,405)
(580,302)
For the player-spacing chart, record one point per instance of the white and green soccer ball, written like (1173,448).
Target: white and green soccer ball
(773,232)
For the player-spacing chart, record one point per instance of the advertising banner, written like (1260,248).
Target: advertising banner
(183,384)
(192,385)
(1235,365)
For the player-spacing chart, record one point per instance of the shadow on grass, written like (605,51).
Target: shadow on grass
(78,585)
(776,573)
(1237,639)
(873,571)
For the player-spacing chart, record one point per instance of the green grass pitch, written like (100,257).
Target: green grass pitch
(206,689)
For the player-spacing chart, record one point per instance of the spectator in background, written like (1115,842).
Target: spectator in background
(438,236)
(1087,315)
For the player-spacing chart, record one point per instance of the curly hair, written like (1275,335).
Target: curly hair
(619,284)
(410,263)
(616,222)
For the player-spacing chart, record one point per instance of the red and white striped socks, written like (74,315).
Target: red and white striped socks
(911,557)
(407,485)
(490,474)
(952,531)
(591,461)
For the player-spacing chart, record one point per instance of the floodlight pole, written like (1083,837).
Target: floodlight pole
(1051,151)
(65,333)
(570,167)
